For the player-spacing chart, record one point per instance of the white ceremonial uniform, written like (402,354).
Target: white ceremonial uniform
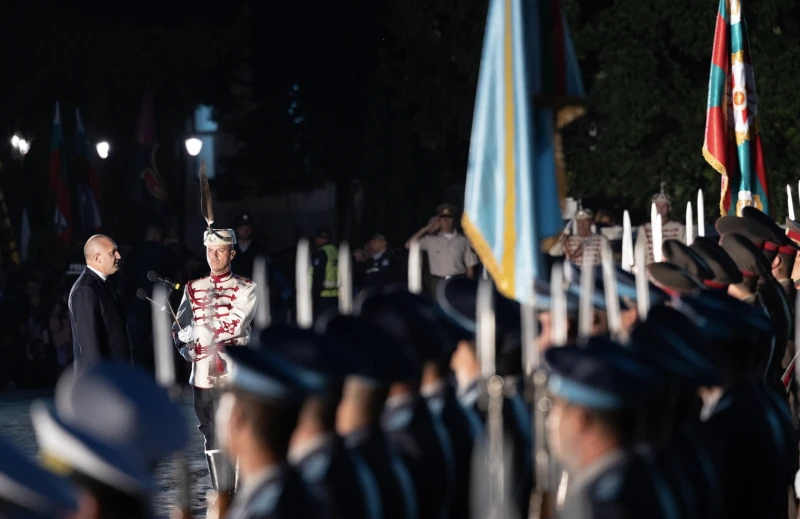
(669,231)
(583,248)
(222,308)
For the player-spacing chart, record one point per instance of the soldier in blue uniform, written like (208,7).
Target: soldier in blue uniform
(457,298)
(383,362)
(435,338)
(338,477)
(418,435)
(598,392)
(27,491)
(678,444)
(747,418)
(255,421)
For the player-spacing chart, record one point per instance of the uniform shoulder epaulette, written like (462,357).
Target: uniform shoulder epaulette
(242,278)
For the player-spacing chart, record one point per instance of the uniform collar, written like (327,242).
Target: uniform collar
(298,453)
(223,277)
(470,393)
(589,474)
(253,483)
(397,401)
(434,389)
(101,276)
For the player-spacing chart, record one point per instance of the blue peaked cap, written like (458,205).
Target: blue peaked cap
(311,354)
(382,358)
(34,490)
(601,375)
(136,412)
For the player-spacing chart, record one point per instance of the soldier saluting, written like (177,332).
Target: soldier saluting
(215,314)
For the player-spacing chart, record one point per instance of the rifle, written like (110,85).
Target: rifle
(485,343)
(165,375)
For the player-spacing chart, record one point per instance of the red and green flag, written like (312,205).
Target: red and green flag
(732,142)
(59,185)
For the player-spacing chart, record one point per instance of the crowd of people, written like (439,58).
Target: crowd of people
(669,398)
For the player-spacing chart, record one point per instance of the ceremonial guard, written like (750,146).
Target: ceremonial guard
(582,248)
(669,230)
(214,315)
(336,476)
(418,435)
(383,362)
(256,419)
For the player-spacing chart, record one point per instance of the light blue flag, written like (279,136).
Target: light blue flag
(511,200)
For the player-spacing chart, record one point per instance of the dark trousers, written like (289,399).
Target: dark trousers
(205,405)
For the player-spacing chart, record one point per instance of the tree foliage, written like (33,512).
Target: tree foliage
(646,67)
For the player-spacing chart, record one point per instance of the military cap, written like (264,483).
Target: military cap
(67,449)
(244,219)
(779,238)
(458,298)
(26,487)
(584,214)
(382,358)
(672,279)
(626,289)
(378,236)
(136,411)
(684,257)
(755,231)
(258,372)
(324,232)
(674,344)
(602,375)
(219,237)
(750,261)
(722,265)
(792,230)
(412,319)
(312,356)
(722,317)
(661,197)
(446,210)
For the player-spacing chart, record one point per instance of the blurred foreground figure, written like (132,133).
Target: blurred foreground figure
(257,416)
(338,477)
(383,361)
(108,429)
(27,491)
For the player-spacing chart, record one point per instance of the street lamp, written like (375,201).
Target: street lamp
(193,146)
(15,141)
(103,149)
(23,146)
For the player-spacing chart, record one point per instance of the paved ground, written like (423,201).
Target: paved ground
(15,425)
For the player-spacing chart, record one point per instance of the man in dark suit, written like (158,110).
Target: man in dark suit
(98,322)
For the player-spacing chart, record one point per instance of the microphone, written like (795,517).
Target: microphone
(155,278)
(142,294)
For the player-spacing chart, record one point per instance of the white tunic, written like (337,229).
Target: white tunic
(669,231)
(221,309)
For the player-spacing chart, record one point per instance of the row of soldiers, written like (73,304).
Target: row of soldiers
(664,398)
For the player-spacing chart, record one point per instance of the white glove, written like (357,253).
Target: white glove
(188,334)
(188,353)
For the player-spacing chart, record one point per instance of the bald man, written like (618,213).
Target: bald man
(99,330)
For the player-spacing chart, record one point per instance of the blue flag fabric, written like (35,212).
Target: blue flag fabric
(511,200)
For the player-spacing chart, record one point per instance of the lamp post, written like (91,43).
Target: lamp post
(193,146)
(103,148)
